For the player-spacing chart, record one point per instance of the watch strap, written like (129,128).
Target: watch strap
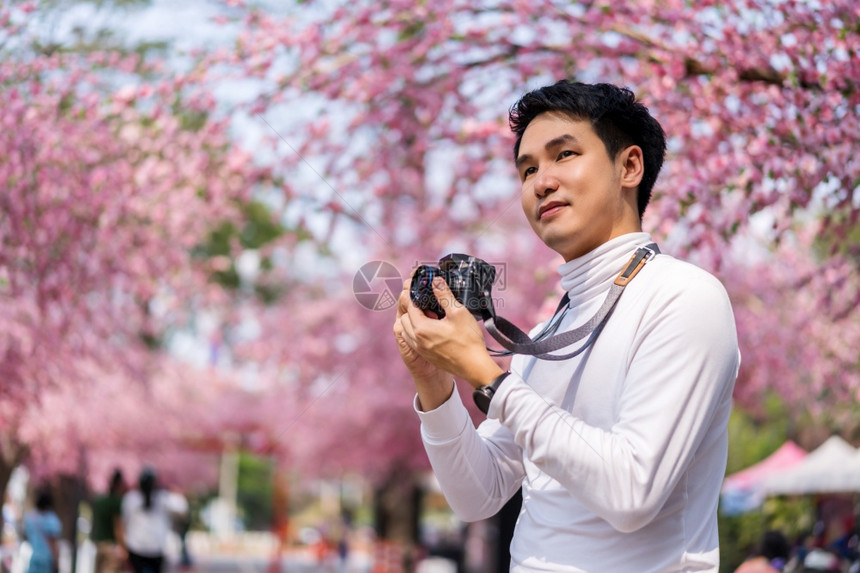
(482,395)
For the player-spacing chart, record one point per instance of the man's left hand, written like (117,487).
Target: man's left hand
(454,343)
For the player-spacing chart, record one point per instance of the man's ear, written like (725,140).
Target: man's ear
(632,166)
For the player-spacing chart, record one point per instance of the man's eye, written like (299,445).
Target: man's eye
(565,153)
(529,171)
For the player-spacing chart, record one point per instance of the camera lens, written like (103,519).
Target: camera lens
(421,289)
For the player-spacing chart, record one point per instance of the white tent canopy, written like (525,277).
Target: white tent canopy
(834,467)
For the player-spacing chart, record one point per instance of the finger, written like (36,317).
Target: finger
(400,336)
(407,330)
(406,325)
(404,301)
(444,295)
(411,310)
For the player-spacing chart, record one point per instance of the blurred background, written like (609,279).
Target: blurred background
(207,210)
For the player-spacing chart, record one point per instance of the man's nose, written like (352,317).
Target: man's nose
(545,182)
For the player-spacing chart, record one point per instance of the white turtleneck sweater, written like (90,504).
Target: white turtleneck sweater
(620,451)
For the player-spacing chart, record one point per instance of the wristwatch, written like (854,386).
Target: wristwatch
(483,394)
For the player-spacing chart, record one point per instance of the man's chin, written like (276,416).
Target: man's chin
(561,248)
(567,248)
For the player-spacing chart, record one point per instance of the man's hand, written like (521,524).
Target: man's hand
(419,367)
(454,344)
(434,386)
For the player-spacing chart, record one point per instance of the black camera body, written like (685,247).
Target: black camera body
(469,278)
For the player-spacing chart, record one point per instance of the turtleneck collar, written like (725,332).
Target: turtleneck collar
(589,275)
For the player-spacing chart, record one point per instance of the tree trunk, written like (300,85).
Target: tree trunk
(397,508)
(68,491)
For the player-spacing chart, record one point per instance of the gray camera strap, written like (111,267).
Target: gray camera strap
(518,342)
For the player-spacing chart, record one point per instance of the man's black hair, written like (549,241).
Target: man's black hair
(617,118)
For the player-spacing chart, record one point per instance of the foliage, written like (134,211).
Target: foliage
(254,497)
(227,241)
(740,534)
(750,441)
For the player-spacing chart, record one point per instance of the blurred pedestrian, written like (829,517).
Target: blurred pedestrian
(42,528)
(346,519)
(770,557)
(182,524)
(10,535)
(821,560)
(148,513)
(107,517)
(846,541)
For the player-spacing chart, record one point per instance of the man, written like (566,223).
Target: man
(620,451)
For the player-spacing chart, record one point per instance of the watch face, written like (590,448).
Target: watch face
(484,394)
(482,397)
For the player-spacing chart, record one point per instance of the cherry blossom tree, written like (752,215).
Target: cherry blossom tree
(385,129)
(759,101)
(405,151)
(114,173)
(113,422)
(799,329)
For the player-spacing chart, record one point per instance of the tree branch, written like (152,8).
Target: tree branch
(694,67)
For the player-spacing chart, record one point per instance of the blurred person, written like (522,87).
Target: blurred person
(800,548)
(42,529)
(107,526)
(818,560)
(846,541)
(342,532)
(771,555)
(9,538)
(620,447)
(148,514)
(182,523)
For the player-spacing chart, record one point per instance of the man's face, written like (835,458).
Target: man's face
(574,195)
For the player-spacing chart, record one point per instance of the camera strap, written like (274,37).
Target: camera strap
(518,342)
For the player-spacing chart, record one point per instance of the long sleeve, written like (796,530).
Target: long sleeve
(478,469)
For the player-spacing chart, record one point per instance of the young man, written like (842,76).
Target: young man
(620,451)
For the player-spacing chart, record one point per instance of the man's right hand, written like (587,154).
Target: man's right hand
(434,386)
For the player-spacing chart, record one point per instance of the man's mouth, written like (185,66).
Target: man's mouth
(550,209)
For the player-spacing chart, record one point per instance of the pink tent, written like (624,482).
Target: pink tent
(742,491)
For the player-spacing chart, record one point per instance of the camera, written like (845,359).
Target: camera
(469,278)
